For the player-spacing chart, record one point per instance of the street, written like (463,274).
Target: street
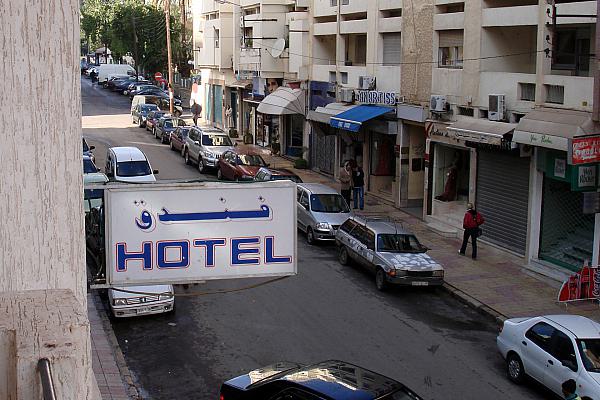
(426,339)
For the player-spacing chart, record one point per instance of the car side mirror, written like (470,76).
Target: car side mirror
(197,143)
(97,169)
(110,174)
(92,147)
(268,164)
(155,171)
(569,364)
(306,207)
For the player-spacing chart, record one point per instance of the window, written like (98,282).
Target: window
(450,50)
(88,166)
(304,200)
(563,350)
(299,194)
(571,50)
(344,76)
(133,168)
(348,226)
(589,350)
(369,239)
(333,3)
(527,91)
(392,48)
(466,111)
(541,334)
(345,2)
(216,38)
(332,77)
(555,94)
(394,13)
(328,203)
(216,140)
(399,243)
(248,35)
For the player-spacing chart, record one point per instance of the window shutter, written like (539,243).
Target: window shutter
(451,38)
(392,48)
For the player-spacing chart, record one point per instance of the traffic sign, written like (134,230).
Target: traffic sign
(157,76)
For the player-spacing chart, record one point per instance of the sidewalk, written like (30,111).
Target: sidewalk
(496,283)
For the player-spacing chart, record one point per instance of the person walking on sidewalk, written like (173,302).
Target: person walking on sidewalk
(471,223)
(569,389)
(196,112)
(358,187)
(346,180)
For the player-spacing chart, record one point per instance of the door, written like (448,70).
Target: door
(562,364)
(535,348)
(193,144)
(369,250)
(228,166)
(302,205)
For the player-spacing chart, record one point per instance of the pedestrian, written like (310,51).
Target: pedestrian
(471,223)
(196,112)
(93,76)
(346,181)
(569,389)
(358,187)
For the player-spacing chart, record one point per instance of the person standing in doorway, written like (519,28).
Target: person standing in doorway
(358,187)
(346,181)
(471,223)
(196,112)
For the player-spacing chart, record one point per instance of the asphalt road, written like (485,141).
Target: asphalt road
(426,339)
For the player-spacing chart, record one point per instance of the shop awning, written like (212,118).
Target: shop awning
(283,101)
(324,114)
(352,120)
(240,83)
(480,130)
(552,128)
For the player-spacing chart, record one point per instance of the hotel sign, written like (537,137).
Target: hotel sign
(376,97)
(584,150)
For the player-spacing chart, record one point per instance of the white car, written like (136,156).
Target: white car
(154,299)
(128,164)
(552,349)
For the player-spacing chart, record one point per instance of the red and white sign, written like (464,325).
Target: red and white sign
(585,150)
(158,76)
(583,285)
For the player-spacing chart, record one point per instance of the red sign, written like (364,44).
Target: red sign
(157,76)
(584,285)
(585,150)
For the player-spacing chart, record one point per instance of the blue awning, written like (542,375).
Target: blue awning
(352,119)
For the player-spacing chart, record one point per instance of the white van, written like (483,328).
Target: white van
(128,164)
(104,70)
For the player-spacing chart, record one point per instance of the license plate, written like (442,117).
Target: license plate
(420,283)
(143,310)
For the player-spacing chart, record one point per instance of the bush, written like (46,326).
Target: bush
(300,163)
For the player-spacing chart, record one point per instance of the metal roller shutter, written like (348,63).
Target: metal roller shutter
(502,198)
(392,48)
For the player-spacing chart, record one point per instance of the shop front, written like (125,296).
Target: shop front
(234,116)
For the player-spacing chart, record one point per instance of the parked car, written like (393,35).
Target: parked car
(93,197)
(153,117)
(320,211)
(237,166)
(553,349)
(136,87)
(152,299)
(204,146)
(112,80)
(88,165)
(113,69)
(139,115)
(151,91)
(281,174)
(166,126)
(87,150)
(385,248)
(128,164)
(333,380)
(178,138)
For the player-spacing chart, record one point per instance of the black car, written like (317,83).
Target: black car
(331,380)
(165,127)
(139,115)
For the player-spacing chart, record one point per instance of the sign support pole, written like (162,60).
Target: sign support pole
(168,28)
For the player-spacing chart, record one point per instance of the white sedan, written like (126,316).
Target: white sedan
(552,349)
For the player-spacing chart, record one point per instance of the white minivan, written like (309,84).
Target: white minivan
(128,164)
(104,70)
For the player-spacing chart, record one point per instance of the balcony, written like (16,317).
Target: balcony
(442,22)
(510,16)
(354,26)
(250,59)
(390,24)
(355,6)
(581,7)
(325,28)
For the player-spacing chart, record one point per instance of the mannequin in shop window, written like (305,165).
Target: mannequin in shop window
(451,181)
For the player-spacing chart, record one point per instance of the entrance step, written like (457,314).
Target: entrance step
(556,274)
(442,229)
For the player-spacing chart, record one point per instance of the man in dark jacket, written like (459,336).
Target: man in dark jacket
(471,223)
(196,112)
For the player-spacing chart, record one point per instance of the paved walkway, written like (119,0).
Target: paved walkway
(496,282)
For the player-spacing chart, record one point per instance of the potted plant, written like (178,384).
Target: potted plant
(300,163)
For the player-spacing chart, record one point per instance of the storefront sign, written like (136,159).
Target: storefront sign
(536,139)
(376,97)
(587,177)
(560,167)
(584,150)
(583,285)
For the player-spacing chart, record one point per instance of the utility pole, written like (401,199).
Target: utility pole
(168,26)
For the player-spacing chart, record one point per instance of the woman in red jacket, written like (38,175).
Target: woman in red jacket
(471,223)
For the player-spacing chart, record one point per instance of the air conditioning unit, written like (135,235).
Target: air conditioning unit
(496,107)
(400,99)
(366,82)
(437,103)
(346,95)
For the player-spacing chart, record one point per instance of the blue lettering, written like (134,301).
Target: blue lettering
(123,256)
(184,249)
(209,244)
(237,252)
(270,257)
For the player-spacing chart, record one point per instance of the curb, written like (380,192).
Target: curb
(474,303)
(126,375)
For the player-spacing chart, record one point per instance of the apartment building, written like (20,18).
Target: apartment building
(511,86)
(357,78)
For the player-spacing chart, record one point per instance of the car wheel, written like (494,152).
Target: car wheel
(343,256)
(201,168)
(219,174)
(133,120)
(186,156)
(183,151)
(515,369)
(171,146)
(140,125)
(380,281)
(310,236)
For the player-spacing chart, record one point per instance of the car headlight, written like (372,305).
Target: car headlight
(165,297)
(144,117)
(119,302)
(322,226)
(400,272)
(439,273)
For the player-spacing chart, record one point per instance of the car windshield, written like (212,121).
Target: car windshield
(149,107)
(158,115)
(328,203)
(215,140)
(589,349)
(133,168)
(88,166)
(168,123)
(399,243)
(251,160)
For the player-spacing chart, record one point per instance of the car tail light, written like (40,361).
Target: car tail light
(221,397)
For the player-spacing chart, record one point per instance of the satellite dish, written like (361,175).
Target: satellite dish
(277,48)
